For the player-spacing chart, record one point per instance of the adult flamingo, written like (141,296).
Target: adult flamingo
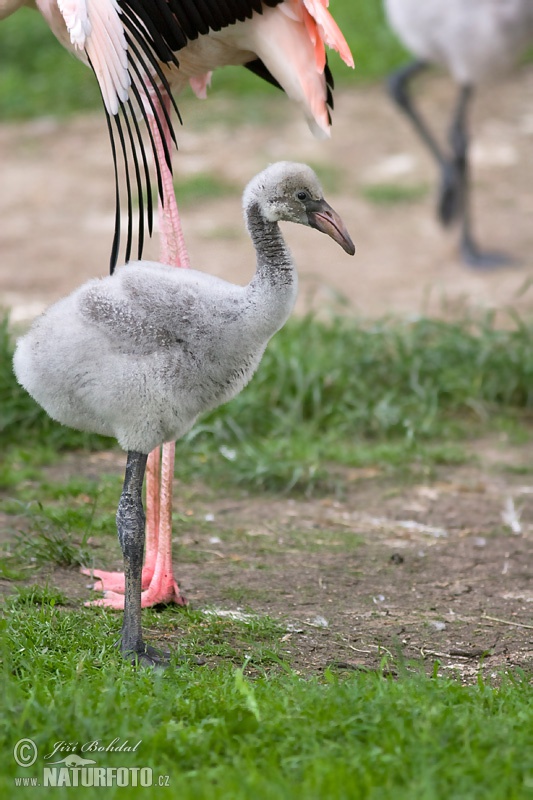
(146,50)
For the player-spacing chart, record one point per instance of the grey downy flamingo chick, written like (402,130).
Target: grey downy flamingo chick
(139,355)
(476,41)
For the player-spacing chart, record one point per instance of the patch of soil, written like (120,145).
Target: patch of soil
(420,572)
(428,571)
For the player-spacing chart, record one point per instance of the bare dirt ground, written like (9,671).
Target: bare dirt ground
(417,572)
(430,570)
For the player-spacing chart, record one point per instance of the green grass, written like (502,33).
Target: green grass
(53,542)
(37,76)
(389,393)
(246,726)
(36,595)
(202,186)
(391,194)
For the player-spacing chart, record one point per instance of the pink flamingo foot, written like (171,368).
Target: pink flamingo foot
(114,581)
(154,596)
(111,600)
(162,592)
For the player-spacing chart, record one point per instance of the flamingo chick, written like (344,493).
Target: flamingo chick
(476,41)
(139,355)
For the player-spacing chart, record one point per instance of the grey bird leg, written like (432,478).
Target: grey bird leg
(454,192)
(397,85)
(449,204)
(471,253)
(130,527)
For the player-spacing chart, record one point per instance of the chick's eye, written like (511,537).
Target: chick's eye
(302,195)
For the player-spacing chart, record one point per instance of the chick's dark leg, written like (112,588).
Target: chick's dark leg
(130,527)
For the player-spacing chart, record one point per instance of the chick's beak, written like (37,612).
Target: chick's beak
(321,216)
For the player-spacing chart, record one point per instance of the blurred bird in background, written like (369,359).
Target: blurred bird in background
(476,41)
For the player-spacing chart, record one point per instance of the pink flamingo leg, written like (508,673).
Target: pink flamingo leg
(163,587)
(158,583)
(153,477)
(171,239)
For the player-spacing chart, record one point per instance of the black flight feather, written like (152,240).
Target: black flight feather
(156,30)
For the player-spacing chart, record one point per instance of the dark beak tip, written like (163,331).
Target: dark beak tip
(350,248)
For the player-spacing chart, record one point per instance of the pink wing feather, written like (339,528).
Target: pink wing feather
(94,26)
(321,28)
(329,31)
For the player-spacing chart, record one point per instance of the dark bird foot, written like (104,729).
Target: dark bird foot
(147,656)
(484,260)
